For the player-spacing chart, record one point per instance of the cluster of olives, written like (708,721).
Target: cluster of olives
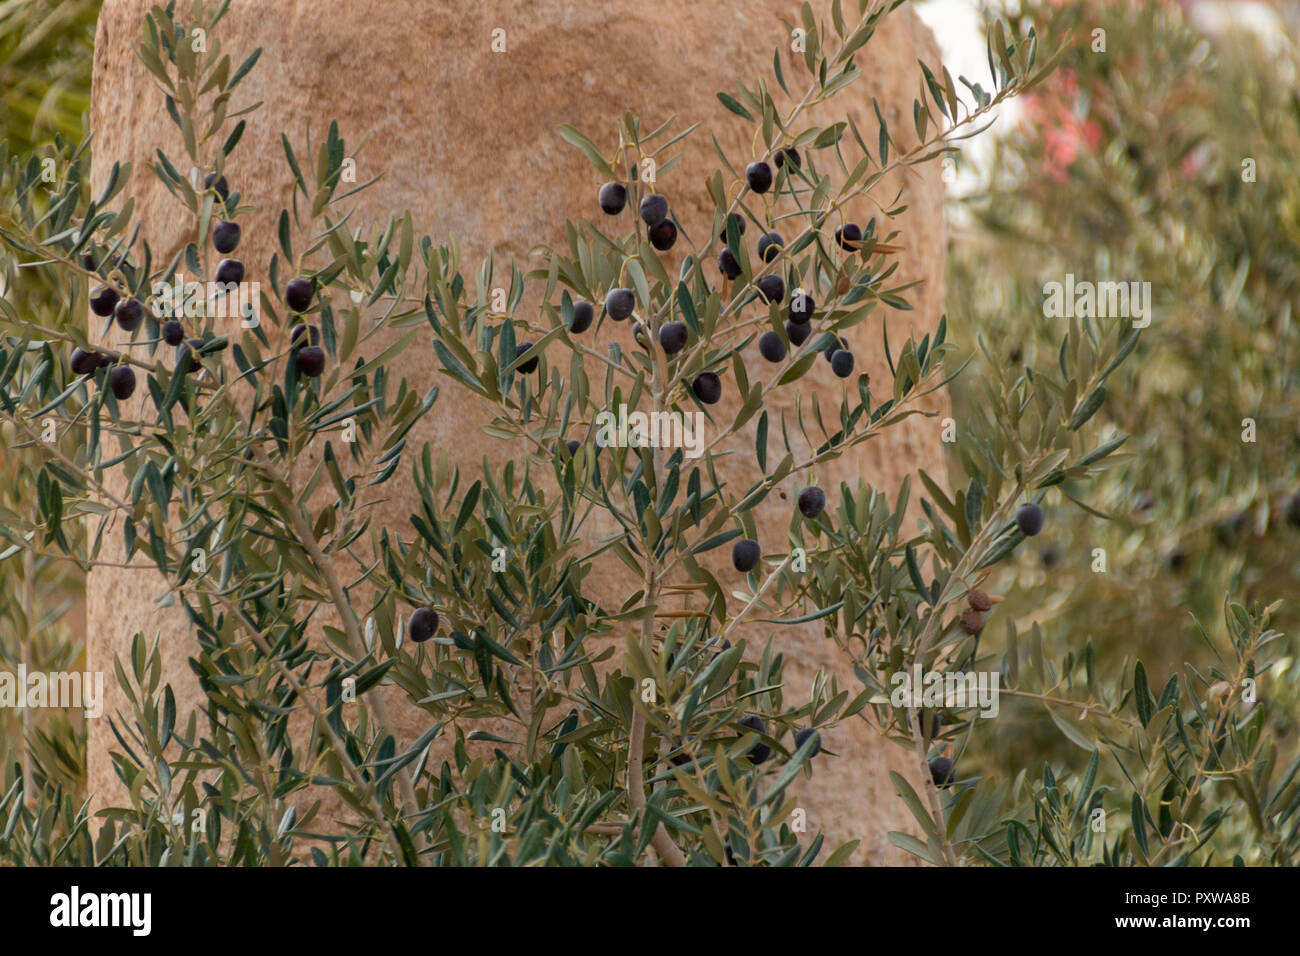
(304,339)
(760,752)
(746,553)
(661,229)
(620,302)
(798,328)
(128,312)
(759,176)
(802,307)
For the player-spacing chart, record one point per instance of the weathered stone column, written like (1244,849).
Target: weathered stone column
(466,139)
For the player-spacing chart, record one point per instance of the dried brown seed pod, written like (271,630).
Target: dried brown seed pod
(979,599)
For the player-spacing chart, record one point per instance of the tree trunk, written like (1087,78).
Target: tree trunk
(466,139)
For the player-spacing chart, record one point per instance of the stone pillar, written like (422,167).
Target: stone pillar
(466,139)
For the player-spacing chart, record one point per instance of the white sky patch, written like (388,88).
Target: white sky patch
(958,27)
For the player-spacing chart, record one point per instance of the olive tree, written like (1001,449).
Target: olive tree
(679,745)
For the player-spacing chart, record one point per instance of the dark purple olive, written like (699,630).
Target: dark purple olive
(612,198)
(812,502)
(527,368)
(930,724)
(672,337)
(222,188)
(311,361)
(664,235)
(173,333)
(122,381)
(423,625)
(225,237)
(788,155)
(770,245)
(728,265)
(802,307)
(707,388)
(300,333)
(760,751)
(583,313)
(849,236)
(738,219)
(103,300)
(941,771)
(654,209)
(229,271)
(189,357)
(620,303)
(683,756)
(801,737)
(772,288)
(298,294)
(759,177)
(1029,519)
(771,347)
(83,362)
(837,344)
(745,555)
(1291,508)
(128,314)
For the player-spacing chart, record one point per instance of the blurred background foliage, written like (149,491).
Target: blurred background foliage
(1135,164)
(46,48)
(45,59)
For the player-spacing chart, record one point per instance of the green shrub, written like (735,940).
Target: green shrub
(1131,164)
